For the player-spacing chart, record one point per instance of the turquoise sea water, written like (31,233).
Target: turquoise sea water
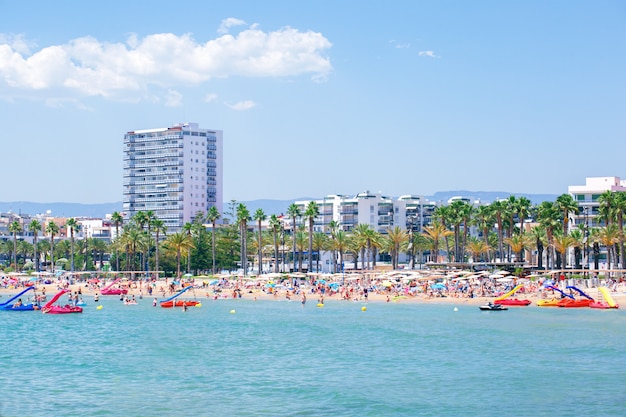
(276,358)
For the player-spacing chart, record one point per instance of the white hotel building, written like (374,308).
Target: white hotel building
(175,172)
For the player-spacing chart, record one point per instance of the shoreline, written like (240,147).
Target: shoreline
(87,293)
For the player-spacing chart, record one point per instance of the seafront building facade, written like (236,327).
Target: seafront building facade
(409,212)
(174,172)
(587,196)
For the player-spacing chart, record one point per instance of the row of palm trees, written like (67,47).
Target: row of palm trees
(458,232)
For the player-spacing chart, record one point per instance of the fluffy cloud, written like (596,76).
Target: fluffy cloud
(430,54)
(210,97)
(242,105)
(173,98)
(88,67)
(228,23)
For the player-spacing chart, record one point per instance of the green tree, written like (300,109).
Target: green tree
(311,212)
(260,217)
(436,232)
(53,229)
(73,226)
(212,216)
(35,227)
(293,211)
(118,220)
(275,227)
(14,228)
(178,243)
(243,214)
(159,227)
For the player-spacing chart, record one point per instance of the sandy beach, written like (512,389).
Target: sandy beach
(161,290)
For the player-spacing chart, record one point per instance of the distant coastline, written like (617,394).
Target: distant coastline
(100,210)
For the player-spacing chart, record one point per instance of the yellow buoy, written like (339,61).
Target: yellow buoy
(232,311)
(199,305)
(320,305)
(363,308)
(99,307)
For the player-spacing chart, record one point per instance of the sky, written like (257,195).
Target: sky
(316,97)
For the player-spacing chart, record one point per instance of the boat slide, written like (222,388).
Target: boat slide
(177,294)
(564,294)
(6,303)
(607,297)
(510,293)
(579,291)
(172,302)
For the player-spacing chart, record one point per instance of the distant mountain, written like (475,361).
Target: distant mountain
(61,209)
(268,206)
(271,206)
(488,196)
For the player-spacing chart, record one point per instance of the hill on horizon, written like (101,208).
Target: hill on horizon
(100,210)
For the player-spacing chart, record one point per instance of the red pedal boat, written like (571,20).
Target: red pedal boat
(50,308)
(513,302)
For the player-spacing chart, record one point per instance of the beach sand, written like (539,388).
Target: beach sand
(87,293)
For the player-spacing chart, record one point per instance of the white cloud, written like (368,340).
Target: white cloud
(242,105)
(430,54)
(210,97)
(173,98)
(129,70)
(228,23)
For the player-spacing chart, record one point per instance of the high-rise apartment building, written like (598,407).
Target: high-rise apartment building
(175,172)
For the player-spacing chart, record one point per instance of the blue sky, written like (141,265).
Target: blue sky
(316,97)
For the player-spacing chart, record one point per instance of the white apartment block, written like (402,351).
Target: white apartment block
(377,211)
(175,172)
(587,197)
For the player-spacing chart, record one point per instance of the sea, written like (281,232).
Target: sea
(279,358)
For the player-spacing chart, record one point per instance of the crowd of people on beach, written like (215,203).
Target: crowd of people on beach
(353,288)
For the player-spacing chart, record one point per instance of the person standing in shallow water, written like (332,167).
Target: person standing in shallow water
(303,298)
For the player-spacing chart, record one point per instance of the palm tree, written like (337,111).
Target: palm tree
(523,209)
(301,243)
(188,228)
(159,227)
(150,217)
(242,219)
(311,212)
(435,233)
(177,243)
(484,220)
(35,227)
(15,227)
(548,216)
(620,208)
(538,234)
(561,244)
(609,236)
(340,244)
(320,243)
(275,228)
(118,220)
(333,227)
(260,216)
(365,236)
(397,238)
(212,216)
(294,212)
(518,243)
(567,205)
(476,247)
(53,229)
(498,209)
(73,225)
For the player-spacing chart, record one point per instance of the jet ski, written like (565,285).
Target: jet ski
(492,307)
